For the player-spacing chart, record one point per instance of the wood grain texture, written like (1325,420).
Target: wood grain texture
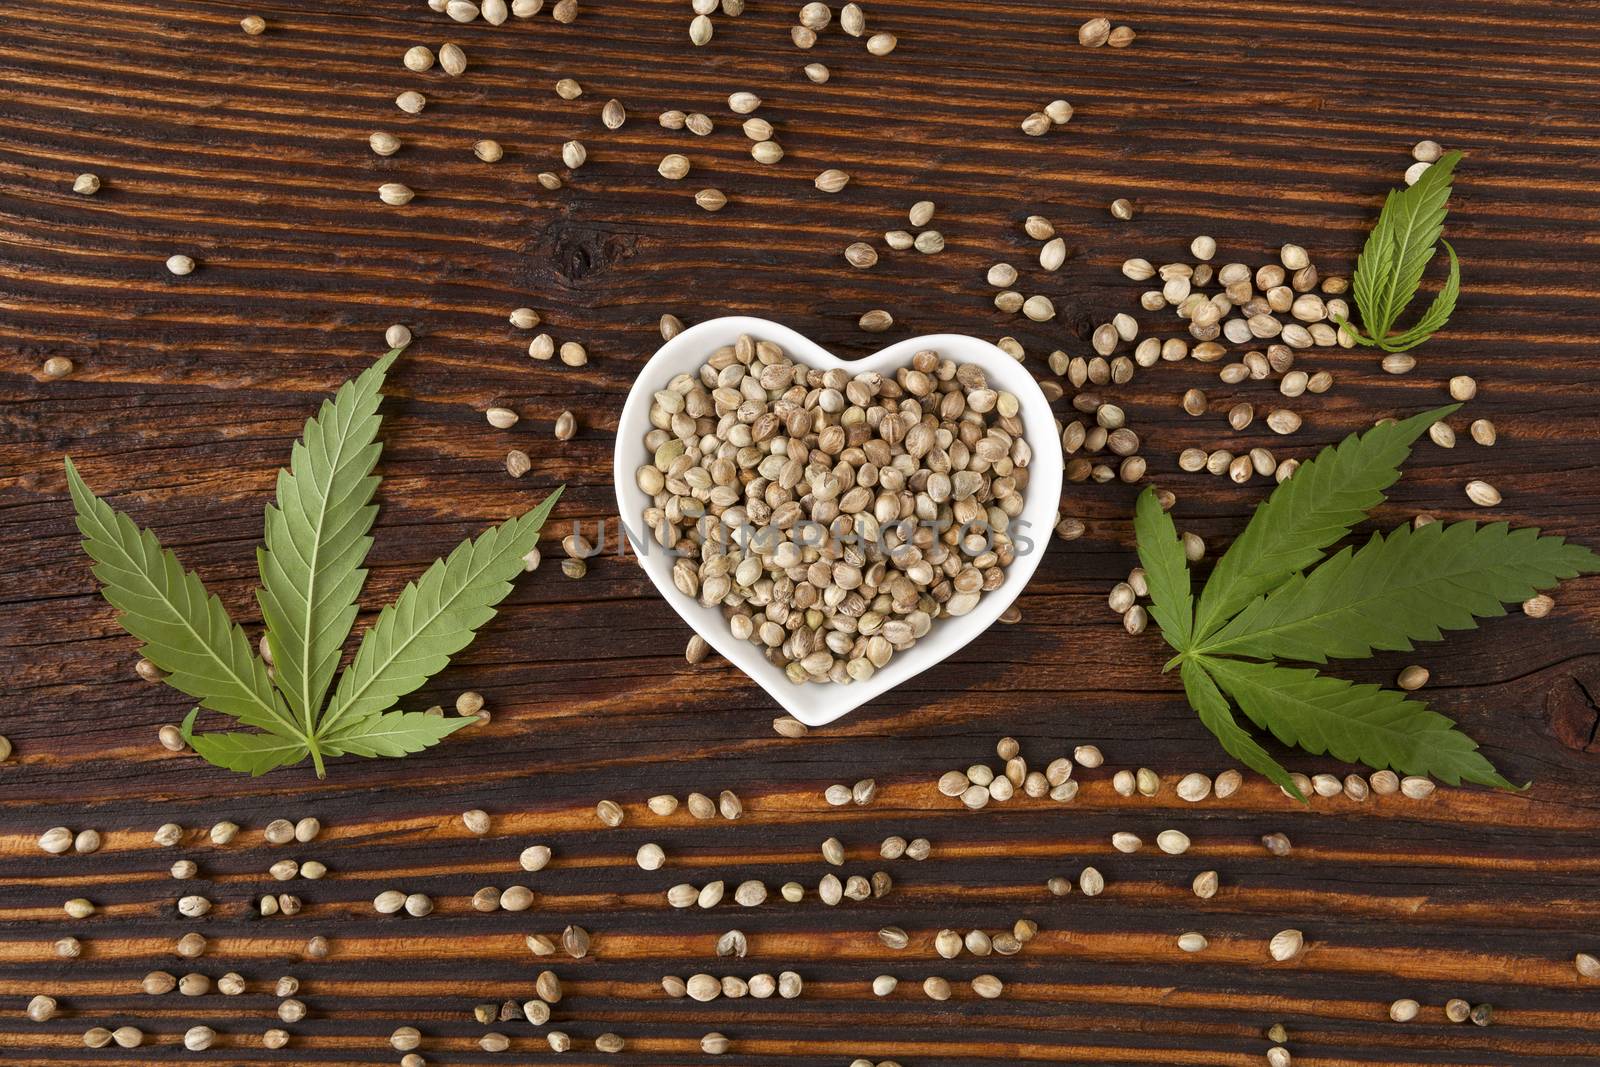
(1256,123)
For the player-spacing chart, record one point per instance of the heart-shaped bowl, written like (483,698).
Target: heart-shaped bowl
(815,703)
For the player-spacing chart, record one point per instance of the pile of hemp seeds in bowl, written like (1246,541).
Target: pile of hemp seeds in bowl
(834,517)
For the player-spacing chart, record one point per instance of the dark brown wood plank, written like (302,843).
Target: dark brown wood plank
(1258,124)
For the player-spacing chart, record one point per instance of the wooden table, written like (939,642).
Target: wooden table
(1256,123)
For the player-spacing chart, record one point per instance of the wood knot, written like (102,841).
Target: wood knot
(1573,714)
(579,251)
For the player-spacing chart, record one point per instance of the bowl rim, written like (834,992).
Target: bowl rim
(818,703)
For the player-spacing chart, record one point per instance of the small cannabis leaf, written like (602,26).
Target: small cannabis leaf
(1398,250)
(1270,598)
(311,574)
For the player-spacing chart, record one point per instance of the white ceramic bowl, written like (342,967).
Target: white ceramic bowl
(815,703)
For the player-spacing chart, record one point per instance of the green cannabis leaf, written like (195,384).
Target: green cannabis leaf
(1212,707)
(1355,723)
(316,541)
(1408,586)
(186,632)
(1398,250)
(1309,512)
(1166,571)
(1273,596)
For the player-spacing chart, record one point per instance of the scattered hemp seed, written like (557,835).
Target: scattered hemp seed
(1412,678)
(1286,945)
(394,194)
(180,265)
(397,336)
(1094,33)
(711,199)
(488,150)
(832,180)
(881,44)
(695,652)
(1417,787)
(861,255)
(1122,208)
(56,840)
(158,983)
(1537,607)
(253,25)
(86,184)
(673,166)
